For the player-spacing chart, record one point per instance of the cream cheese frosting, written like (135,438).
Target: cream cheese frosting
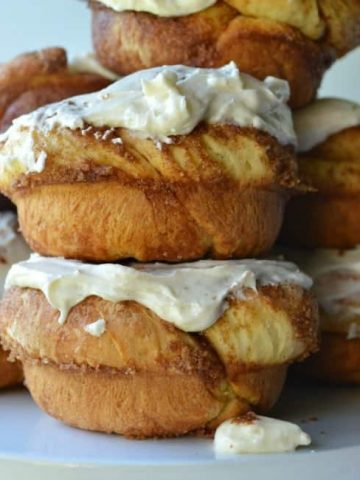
(22,153)
(12,245)
(316,122)
(258,434)
(336,276)
(192,296)
(159,103)
(161,8)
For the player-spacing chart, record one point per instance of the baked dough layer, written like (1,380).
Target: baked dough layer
(135,406)
(219,191)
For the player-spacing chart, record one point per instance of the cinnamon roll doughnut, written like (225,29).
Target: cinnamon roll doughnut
(336,276)
(38,78)
(329,142)
(34,79)
(296,41)
(168,164)
(156,350)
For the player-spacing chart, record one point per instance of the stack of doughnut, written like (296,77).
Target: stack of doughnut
(322,231)
(143,311)
(26,83)
(148,309)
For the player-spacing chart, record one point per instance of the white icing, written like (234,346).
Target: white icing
(22,152)
(323,118)
(162,8)
(96,329)
(12,245)
(336,276)
(192,296)
(262,435)
(89,64)
(159,103)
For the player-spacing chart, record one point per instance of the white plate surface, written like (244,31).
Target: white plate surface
(33,446)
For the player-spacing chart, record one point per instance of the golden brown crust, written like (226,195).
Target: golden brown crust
(330,216)
(136,406)
(35,79)
(11,373)
(338,360)
(342,20)
(154,371)
(129,41)
(219,191)
(107,221)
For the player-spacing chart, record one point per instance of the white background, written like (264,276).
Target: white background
(31,24)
